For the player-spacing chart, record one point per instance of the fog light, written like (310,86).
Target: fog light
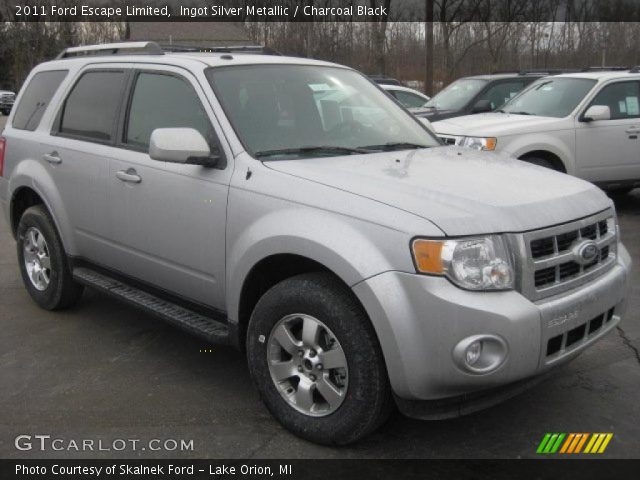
(480,354)
(473,353)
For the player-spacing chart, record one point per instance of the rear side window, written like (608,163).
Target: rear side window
(91,107)
(36,98)
(408,99)
(164,101)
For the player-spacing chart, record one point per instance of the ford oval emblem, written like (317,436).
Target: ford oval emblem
(587,252)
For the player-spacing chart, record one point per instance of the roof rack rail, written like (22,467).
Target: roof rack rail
(615,68)
(255,49)
(142,48)
(534,71)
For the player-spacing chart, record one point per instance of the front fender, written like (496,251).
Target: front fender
(352,249)
(561,144)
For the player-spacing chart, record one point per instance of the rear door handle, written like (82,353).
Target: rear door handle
(633,130)
(129,175)
(52,157)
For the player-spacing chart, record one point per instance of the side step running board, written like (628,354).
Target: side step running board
(205,327)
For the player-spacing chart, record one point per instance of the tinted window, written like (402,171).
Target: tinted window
(501,93)
(457,95)
(621,98)
(36,98)
(90,109)
(409,100)
(164,101)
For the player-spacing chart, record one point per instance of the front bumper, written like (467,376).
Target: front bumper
(420,319)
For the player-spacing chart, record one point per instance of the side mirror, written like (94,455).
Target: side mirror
(597,112)
(181,145)
(482,106)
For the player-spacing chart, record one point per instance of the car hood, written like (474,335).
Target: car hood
(462,191)
(494,124)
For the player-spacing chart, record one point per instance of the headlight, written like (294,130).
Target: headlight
(479,143)
(481,263)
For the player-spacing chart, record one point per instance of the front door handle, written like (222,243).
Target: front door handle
(52,157)
(129,175)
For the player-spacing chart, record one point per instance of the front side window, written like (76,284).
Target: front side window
(457,95)
(621,98)
(36,98)
(164,101)
(300,110)
(90,110)
(550,97)
(501,93)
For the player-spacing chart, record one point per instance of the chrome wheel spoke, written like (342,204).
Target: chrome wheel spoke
(45,261)
(32,235)
(33,275)
(333,358)
(283,370)
(328,391)
(285,339)
(304,395)
(40,244)
(310,332)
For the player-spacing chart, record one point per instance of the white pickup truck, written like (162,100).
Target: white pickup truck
(586,124)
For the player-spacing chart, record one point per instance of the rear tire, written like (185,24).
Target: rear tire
(43,263)
(345,404)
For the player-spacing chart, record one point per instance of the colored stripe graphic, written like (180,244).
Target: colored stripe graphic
(550,443)
(573,443)
(581,442)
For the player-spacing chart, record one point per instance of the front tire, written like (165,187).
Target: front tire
(316,361)
(541,162)
(43,263)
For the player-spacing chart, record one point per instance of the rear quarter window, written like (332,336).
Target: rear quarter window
(36,97)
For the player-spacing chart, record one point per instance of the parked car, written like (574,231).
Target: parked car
(6,101)
(586,124)
(411,99)
(477,94)
(357,263)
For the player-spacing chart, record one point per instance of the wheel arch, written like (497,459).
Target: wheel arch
(547,155)
(31,180)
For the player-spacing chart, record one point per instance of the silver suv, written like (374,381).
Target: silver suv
(291,208)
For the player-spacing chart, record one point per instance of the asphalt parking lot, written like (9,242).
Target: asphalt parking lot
(105,371)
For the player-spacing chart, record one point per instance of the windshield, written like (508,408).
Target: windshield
(294,111)
(457,95)
(551,97)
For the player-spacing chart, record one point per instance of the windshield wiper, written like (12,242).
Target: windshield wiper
(310,149)
(520,113)
(389,146)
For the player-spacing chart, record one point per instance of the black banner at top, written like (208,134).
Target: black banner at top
(321,10)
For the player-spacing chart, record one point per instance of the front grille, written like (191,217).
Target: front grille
(553,263)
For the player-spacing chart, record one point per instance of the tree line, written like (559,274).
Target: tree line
(427,54)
